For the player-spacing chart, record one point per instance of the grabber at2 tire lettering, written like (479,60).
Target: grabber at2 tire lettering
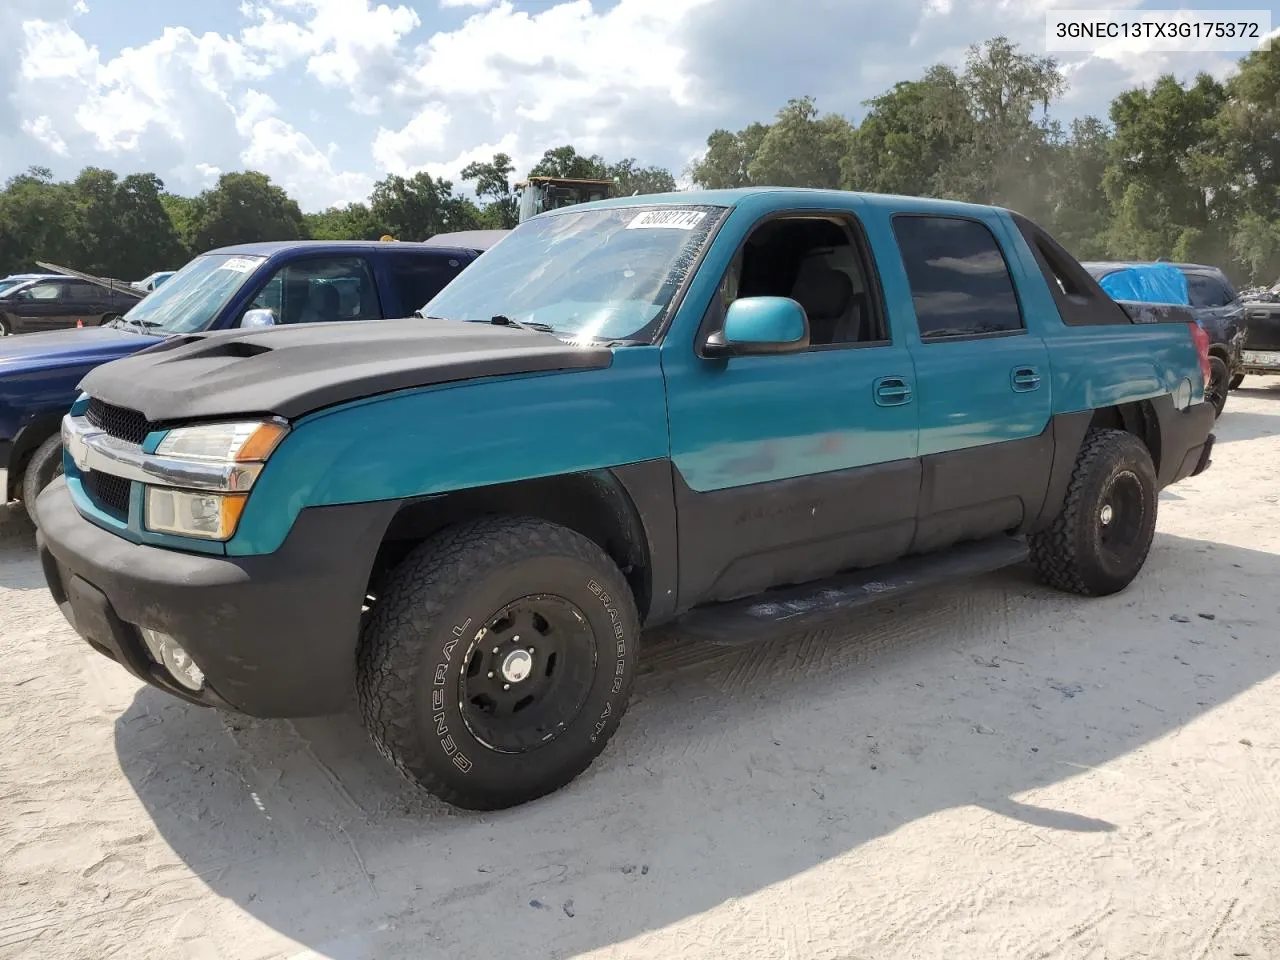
(498,660)
(1100,540)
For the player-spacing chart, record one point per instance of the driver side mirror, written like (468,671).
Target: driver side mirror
(257,319)
(755,326)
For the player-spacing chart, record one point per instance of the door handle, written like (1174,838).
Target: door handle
(1025,379)
(892,391)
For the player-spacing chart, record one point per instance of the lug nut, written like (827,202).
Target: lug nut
(506,686)
(490,674)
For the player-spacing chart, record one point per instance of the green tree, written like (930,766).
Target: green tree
(39,220)
(566,162)
(802,149)
(1159,178)
(243,208)
(1008,153)
(1077,209)
(355,221)
(493,185)
(126,231)
(634,179)
(419,207)
(909,135)
(727,162)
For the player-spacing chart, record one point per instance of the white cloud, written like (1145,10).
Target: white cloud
(344,43)
(41,128)
(642,78)
(409,148)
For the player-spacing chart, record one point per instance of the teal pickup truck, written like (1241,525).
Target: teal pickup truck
(743,411)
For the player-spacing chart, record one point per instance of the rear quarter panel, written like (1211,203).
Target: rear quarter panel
(458,436)
(1103,365)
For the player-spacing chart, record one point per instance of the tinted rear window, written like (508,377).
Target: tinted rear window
(416,280)
(960,283)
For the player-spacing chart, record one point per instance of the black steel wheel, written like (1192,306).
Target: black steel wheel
(1215,391)
(1100,540)
(497,659)
(528,674)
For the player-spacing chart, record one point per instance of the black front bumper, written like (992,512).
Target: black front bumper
(275,635)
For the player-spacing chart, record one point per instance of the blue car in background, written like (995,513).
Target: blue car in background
(259,284)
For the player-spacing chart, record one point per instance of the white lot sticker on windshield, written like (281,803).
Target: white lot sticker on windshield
(239,264)
(667,220)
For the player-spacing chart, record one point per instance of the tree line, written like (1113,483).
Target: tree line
(1183,171)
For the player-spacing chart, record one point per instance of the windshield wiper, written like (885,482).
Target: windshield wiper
(502,321)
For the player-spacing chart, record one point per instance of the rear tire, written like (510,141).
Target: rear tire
(1219,384)
(5,329)
(1236,381)
(1100,541)
(43,468)
(485,730)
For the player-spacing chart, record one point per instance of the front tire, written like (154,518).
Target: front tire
(486,730)
(5,329)
(1236,381)
(43,468)
(1219,384)
(1100,540)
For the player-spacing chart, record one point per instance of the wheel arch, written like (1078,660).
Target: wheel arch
(27,441)
(599,504)
(1141,418)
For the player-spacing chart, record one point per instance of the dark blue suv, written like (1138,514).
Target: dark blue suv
(259,284)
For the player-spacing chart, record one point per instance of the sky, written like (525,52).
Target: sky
(328,96)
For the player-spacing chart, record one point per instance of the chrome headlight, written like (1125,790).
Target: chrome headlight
(241,442)
(200,476)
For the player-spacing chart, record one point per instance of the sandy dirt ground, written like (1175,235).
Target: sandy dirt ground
(990,771)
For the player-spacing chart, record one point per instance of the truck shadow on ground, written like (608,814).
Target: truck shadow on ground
(736,768)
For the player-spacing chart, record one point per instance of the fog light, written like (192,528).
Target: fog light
(166,651)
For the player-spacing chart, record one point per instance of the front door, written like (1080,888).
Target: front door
(41,306)
(794,467)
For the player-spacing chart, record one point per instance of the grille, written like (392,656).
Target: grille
(118,422)
(109,492)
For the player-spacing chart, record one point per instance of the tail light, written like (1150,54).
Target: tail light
(1202,347)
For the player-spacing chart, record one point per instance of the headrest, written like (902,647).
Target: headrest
(824,293)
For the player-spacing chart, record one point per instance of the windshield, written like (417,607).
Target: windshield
(591,274)
(192,297)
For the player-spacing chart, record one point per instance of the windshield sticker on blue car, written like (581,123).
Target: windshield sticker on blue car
(667,220)
(239,264)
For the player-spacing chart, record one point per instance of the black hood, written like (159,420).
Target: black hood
(292,370)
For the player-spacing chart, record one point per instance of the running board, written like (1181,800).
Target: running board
(786,610)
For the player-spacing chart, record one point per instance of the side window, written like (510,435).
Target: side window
(44,292)
(816,261)
(321,290)
(81,292)
(960,283)
(1206,291)
(417,279)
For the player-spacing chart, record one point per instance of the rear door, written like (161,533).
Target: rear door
(85,303)
(983,381)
